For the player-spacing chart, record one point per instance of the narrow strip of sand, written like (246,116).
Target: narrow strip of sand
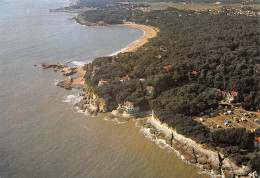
(150,32)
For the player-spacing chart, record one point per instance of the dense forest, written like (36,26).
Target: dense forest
(100,3)
(190,59)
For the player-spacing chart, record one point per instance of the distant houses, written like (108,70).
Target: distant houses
(230,97)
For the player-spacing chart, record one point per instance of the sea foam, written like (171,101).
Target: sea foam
(78,63)
(56,81)
(160,142)
(73,99)
(114,120)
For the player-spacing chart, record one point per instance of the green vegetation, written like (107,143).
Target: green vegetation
(99,3)
(191,57)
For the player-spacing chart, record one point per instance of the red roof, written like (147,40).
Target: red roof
(166,67)
(149,87)
(257,139)
(127,103)
(234,93)
(194,72)
(103,82)
(95,68)
(126,77)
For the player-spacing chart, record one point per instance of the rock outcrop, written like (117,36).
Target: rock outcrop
(66,84)
(92,104)
(80,19)
(67,71)
(51,65)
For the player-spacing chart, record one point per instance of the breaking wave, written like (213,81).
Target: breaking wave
(160,142)
(56,81)
(113,120)
(78,63)
(73,99)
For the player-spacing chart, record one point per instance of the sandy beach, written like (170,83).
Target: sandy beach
(78,81)
(150,32)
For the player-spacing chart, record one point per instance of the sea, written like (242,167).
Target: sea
(42,134)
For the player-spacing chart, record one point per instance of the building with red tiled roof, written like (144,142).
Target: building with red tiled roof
(96,68)
(142,79)
(232,97)
(194,72)
(168,66)
(123,79)
(126,78)
(128,107)
(150,90)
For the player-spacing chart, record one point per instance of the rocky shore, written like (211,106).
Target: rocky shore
(208,159)
(66,71)
(80,19)
(195,153)
(211,161)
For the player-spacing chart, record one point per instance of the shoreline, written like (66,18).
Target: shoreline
(188,150)
(149,32)
(192,152)
(198,154)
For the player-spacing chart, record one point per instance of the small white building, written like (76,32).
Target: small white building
(101,83)
(129,107)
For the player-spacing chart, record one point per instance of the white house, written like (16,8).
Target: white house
(130,108)
(101,83)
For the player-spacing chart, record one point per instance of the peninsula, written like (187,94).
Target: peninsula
(194,83)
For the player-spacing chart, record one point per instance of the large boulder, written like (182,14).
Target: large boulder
(65,84)
(69,71)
